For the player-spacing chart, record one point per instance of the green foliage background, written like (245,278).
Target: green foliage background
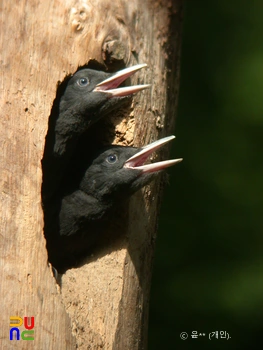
(208,271)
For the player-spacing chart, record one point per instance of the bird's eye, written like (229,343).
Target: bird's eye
(83,81)
(112,158)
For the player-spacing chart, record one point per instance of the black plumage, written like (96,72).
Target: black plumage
(82,211)
(87,96)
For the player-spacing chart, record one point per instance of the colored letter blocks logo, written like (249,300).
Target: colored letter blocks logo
(15,332)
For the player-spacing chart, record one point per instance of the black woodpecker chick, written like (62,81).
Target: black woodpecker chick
(88,96)
(113,175)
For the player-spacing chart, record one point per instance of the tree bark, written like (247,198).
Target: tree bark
(103,304)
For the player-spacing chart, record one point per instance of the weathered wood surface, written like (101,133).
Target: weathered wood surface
(103,304)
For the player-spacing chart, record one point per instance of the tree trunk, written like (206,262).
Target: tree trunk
(103,304)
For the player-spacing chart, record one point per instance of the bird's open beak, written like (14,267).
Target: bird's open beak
(109,85)
(137,160)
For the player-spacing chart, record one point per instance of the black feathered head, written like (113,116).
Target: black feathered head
(119,171)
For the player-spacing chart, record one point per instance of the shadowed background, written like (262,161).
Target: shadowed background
(208,271)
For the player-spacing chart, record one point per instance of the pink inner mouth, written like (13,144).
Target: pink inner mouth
(110,85)
(137,161)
